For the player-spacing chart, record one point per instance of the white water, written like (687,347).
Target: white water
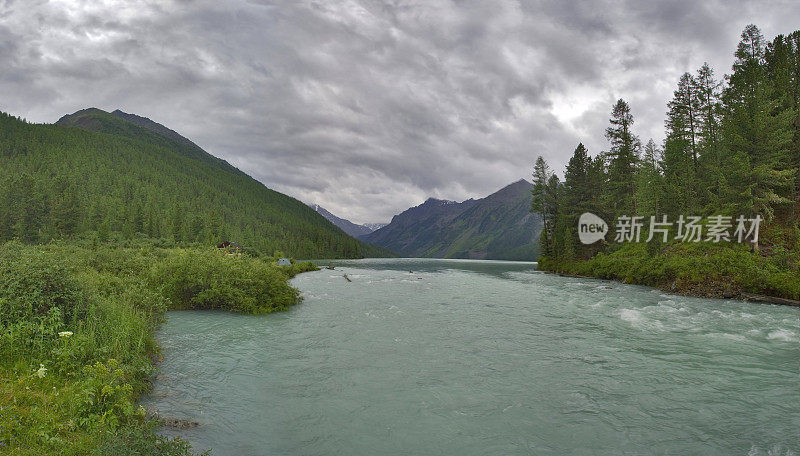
(484,358)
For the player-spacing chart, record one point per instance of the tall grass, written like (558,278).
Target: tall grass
(77,337)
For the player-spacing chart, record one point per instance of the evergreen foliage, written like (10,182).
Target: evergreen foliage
(96,175)
(732,148)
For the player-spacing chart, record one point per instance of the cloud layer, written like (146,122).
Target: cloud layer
(369,107)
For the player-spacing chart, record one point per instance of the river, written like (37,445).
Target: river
(462,357)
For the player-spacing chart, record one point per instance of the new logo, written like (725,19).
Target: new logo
(591,228)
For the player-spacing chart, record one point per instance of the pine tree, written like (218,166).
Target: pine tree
(680,160)
(552,206)
(684,115)
(709,108)
(574,196)
(782,58)
(757,135)
(649,182)
(545,188)
(622,158)
(576,178)
(541,173)
(707,92)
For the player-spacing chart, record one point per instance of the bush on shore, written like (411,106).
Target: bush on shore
(77,337)
(197,279)
(701,269)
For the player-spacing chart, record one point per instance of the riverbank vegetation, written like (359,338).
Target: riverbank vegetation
(77,343)
(716,271)
(732,149)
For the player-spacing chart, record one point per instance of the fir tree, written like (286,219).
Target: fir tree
(622,158)
(757,135)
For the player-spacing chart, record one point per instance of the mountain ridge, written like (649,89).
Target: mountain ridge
(347,226)
(499,226)
(142,129)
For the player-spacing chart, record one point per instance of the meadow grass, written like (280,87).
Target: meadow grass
(77,346)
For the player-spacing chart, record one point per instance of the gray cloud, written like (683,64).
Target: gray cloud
(369,107)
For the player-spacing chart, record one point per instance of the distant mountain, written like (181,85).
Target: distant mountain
(123,176)
(498,227)
(374,226)
(346,225)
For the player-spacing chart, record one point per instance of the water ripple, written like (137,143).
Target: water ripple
(477,358)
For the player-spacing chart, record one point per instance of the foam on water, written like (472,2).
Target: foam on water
(783,334)
(482,357)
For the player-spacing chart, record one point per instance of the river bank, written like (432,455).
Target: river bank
(77,344)
(699,270)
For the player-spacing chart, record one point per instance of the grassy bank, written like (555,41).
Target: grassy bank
(77,340)
(702,269)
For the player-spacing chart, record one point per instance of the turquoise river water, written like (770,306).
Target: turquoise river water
(464,357)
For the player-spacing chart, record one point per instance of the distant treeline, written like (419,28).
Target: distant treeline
(121,182)
(732,148)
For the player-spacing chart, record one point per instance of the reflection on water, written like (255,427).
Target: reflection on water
(461,357)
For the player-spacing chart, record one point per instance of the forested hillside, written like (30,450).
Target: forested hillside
(732,149)
(497,227)
(110,178)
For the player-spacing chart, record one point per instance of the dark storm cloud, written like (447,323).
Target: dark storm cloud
(368,107)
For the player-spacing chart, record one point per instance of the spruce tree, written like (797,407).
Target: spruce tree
(708,91)
(649,182)
(576,179)
(545,187)
(757,135)
(680,159)
(622,158)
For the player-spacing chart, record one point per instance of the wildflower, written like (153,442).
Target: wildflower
(42,371)
(65,334)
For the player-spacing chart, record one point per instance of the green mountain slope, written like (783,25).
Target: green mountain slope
(498,227)
(140,128)
(117,179)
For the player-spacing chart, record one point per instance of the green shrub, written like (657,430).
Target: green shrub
(105,398)
(76,336)
(32,282)
(214,280)
(704,269)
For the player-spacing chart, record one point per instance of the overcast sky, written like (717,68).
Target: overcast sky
(370,107)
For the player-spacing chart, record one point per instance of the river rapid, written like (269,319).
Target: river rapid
(463,357)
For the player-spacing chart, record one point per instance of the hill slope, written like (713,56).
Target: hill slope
(346,225)
(499,226)
(115,178)
(142,129)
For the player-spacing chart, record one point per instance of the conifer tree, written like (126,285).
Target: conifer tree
(709,106)
(782,58)
(622,158)
(757,135)
(649,182)
(683,116)
(576,178)
(545,199)
(680,160)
